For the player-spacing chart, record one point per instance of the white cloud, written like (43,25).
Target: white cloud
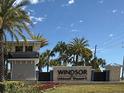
(118,11)
(111,35)
(37,19)
(71,2)
(35,23)
(101,1)
(74,30)
(35,1)
(81,21)
(114,11)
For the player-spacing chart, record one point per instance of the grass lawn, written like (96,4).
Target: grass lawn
(92,88)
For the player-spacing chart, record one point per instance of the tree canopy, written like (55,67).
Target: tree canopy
(74,53)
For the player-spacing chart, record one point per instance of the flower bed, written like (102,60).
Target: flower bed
(47,85)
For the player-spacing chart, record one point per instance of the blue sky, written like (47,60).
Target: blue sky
(101,22)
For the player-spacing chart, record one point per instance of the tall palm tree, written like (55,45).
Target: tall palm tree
(48,53)
(62,49)
(45,59)
(7,49)
(13,20)
(42,62)
(43,42)
(77,46)
(87,56)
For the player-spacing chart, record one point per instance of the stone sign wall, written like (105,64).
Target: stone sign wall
(74,73)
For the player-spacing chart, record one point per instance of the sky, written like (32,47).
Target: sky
(101,22)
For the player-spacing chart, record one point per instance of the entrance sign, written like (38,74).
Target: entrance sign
(74,73)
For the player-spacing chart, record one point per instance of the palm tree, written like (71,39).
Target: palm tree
(54,62)
(62,49)
(87,56)
(45,59)
(7,49)
(77,47)
(42,62)
(41,39)
(43,42)
(96,63)
(48,54)
(13,20)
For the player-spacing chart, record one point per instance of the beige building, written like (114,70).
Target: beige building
(23,57)
(114,72)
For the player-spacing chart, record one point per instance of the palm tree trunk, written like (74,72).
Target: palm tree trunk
(76,60)
(48,64)
(1,56)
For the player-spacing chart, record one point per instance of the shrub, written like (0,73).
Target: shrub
(2,87)
(17,87)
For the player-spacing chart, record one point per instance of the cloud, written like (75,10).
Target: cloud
(114,11)
(74,30)
(71,2)
(81,21)
(36,1)
(101,1)
(111,35)
(35,23)
(37,19)
(117,12)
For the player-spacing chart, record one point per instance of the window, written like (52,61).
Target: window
(19,49)
(29,48)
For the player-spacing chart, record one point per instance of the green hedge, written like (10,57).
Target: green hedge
(17,87)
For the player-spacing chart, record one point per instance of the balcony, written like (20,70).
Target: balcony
(23,55)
